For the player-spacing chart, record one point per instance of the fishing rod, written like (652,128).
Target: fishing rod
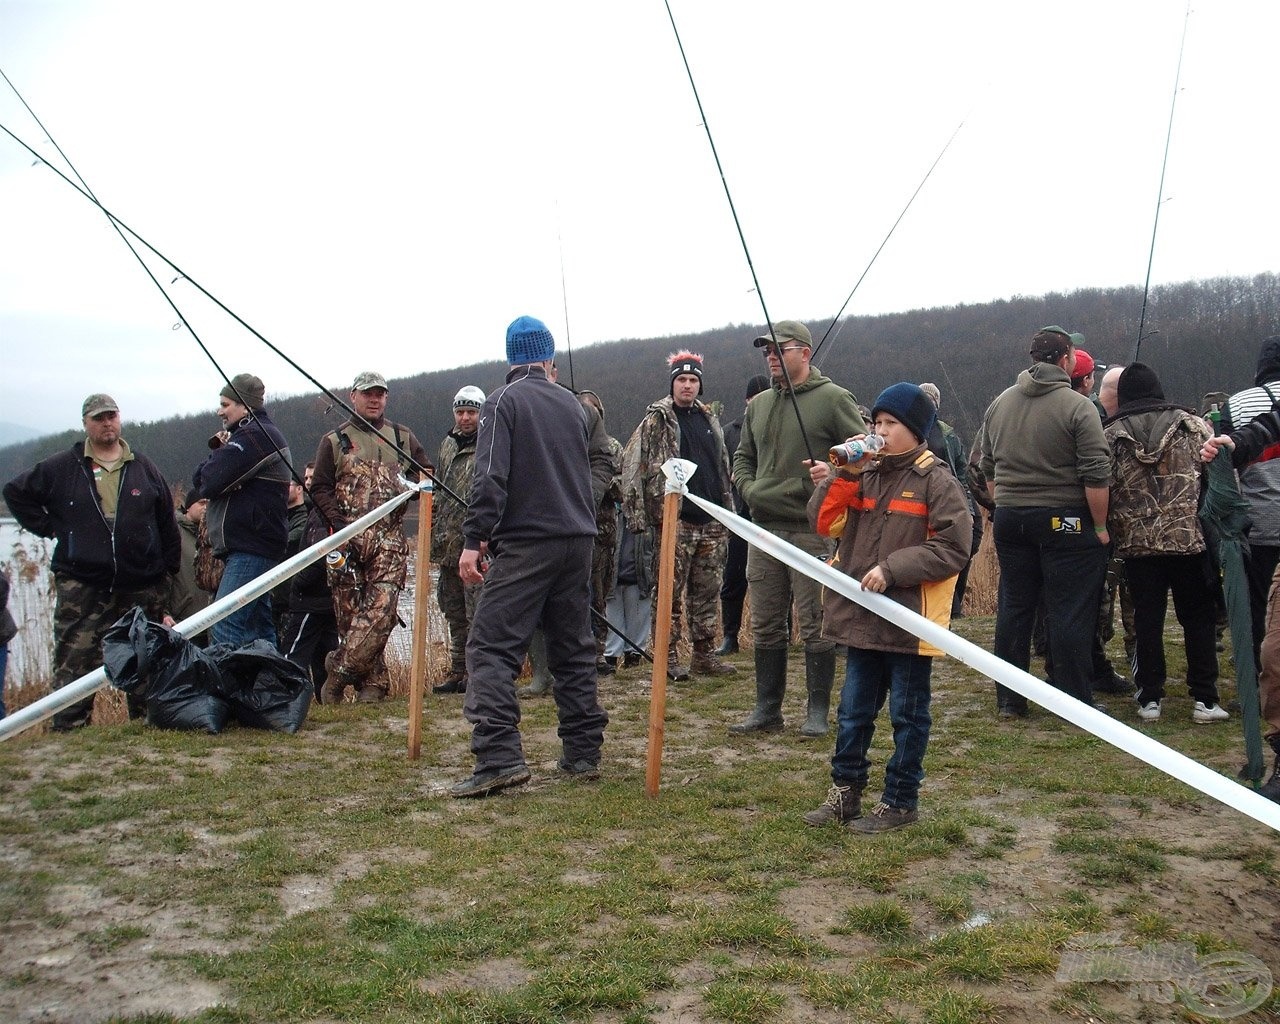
(333,397)
(88,192)
(1146,288)
(804,436)
(876,255)
(564,293)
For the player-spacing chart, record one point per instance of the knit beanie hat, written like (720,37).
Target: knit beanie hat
(910,406)
(685,362)
(1139,383)
(757,384)
(529,341)
(246,389)
(932,391)
(470,397)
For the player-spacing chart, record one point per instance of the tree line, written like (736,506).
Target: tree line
(1201,336)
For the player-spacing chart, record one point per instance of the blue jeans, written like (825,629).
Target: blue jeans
(1054,551)
(253,621)
(871,676)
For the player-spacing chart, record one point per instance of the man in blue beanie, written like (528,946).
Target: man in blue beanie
(529,534)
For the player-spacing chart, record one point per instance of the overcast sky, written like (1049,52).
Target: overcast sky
(387,185)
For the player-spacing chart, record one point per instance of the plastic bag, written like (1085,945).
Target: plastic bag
(180,683)
(263,688)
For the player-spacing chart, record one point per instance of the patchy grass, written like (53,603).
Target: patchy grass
(250,877)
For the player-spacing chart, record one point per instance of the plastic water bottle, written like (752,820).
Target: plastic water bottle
(852,451)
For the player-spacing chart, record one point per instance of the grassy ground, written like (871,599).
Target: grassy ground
(156,877)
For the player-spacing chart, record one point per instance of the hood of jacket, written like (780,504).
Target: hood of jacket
(1268,361)
(1042,378)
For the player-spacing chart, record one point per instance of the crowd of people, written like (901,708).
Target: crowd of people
(545,528)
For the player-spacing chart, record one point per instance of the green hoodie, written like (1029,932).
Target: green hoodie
(1042,443)
(769,468)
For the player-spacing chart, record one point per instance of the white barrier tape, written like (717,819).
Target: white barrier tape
(51,704)
(678,472)
(1119,735)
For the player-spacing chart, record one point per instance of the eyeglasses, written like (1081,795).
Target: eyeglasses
(770,350)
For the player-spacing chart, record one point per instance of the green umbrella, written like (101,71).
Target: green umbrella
(1224,514)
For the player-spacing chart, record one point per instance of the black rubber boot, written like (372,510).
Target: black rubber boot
(819,677)
(771,685)
(1271,788)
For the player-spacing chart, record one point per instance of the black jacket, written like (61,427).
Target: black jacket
(58,498)
(533,470)
(247,484)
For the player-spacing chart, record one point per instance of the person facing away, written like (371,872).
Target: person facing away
(771,470)
(945,443)
(358,468)
(679,425)
(455,470)
(1156,480)
(904,529)
(1047,467)
(529,534)
(310,629)
(111,514)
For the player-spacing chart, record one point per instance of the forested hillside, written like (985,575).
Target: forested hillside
(1200,336)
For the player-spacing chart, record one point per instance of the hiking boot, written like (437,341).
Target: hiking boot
(706,663)
(631,659)
(1203,715)
(1150,711)
(883,818)
(371,693)
(843,804)
(454,682)
(607,665)
(583,769)
(1271,788)
(819,677)
(730,646)
(676,672)
(490,781)
(335,683)
(771,686)
(1113,682)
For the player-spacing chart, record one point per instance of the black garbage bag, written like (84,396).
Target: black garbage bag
(180,683)
(263,688)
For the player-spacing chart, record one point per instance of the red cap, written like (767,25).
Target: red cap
(1084,365)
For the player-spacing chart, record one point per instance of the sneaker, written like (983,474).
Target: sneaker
(843,804)
(580,769)
(490,781)
(1204,715)
(1149,712)
(883,818)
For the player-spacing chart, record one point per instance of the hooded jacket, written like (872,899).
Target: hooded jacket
(908,515)
(1042,443)
(455,469)
(769,465)
(1156,476)
(58,498)
(1259,481)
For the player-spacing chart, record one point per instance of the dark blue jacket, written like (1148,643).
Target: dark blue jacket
(533,470)
(247,484)
(58,498)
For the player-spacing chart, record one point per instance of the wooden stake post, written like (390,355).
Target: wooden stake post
(661,640)
(421,605)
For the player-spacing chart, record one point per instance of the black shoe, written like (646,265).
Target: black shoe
(1012,711)
(490,781)
(454,682)
(580,769)
(730,646)
(606,666)
(1113,682)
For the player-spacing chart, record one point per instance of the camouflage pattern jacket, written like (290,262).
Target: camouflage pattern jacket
(654,441)
(1155,482)
(456,470)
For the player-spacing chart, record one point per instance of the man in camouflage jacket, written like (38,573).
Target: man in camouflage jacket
(680,426)
(357,469)
(1156,475)
(456,469)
